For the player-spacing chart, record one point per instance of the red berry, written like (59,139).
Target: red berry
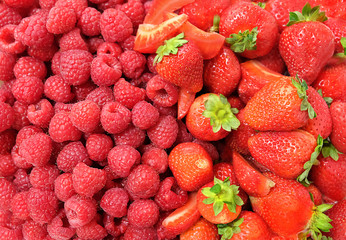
(44,177)
(9,15)
(19,206)
(101,96)
(83,90)
(128,43)
(72,40)
(63,187)
(161,92)
(114,202)
(133,63)
(109,48)
(144,115)
(61,128)
(92,230)
(127,94)
(41,113)
(132,136)
(115,227)
(61,20)
(26,132)
(19,3)
(209,147)
(89,22)
(21,180)
(122,159)
(98,146)
(7,192)
(6,67)
(143,213)
(58,229)
(27,89)
(7,116)
(157,158)
(33,230)
(8,43)
(134,233)
(115,118)
(85,115)
(7,140)
(134,10)
(43,53)
(20,115)
(105,70)
(164,133)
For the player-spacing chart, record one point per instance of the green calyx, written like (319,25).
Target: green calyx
(301,90)
(319,222)
(260,4)
(171,46)
(308,14)
(328,100)
(222,193)
(216,23)
(343,44)
(221,115)
(328,150)
(243,40)
(228,230)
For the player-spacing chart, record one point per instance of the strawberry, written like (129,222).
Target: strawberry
(236,102)
(211,118)
(222,73)
(202,230)
(307,44)
(225,170)
(273,60)
(191,165)
(315,194)
(338,27)
(250,30)
(249,225)
(289,210)
(219,202)
(250,178)
(185,100)
(338,215)
(338,135)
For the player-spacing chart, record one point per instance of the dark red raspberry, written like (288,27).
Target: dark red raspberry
(101,96)
(115,118)
(63,187)
(161,92)
(18,160)
(109,4)
(143,182)
(209,147)
(109,48)
(132,136)
(30,67)
(43,54)
(134,9)
(92,230)
(6,67)
(98,146)
(9,15)
(94,43)
(144,115)
(127,94)
(19,3)
(33,230)
(42,204)
(7,166)
(183,134)
(128,43)
(85,115)
(19,206)
(61,20)
(133,63)
(7,192)
(37,149)
(58,229)
(75,66)
(89,22)
(115,227)
(143,213)
(7,140)
(72,40)
(150,63)
(21,180)
(44,177)
(7,116)
(55,63)
(115,25)
(80,210)
(105,70)
(8,43)
(170,196)
(122,159)
(41,113)
(172,111)
(114,202)
(62,107)
(27,132)
(98,1)
(164,133)
(134,233)
(28,89)
(142,80)
(56,89)
(20,115)
(87,180)
(61,128)
(157,158)
(83,90)
(77,5)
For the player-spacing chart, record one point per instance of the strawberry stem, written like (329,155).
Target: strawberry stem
(308,14)
(169,47)
(243,40)
(216,23)
(228,230)
(301,90)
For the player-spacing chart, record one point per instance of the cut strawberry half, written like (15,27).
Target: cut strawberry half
(184,217)
(159,8)
(185,100)
(150,37)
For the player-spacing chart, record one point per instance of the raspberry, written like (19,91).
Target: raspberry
(61,128)
(82,91)
(143,213)
(42,204)
(7,166)
(80,210)
(108,4)
(60,20)
(47,4)
(157,158)
(161,92)
(164,133)
(105,70)
(132,136)
(134,233)
(56,89)
(87,180)
(98,146)
(7,116)
(27,132)
(21,180)
(92,230)
(127,94)
(121,159)
(133,63)
(134,9)
(128,43)
(115,118)
(71,155)
(150,63)
(6,67)
(101,96)
(147,6)
(33,230)
(89,22)
(5,217)
(144,115)
(7,192)
(143,182)
(19,206)
(77,5)
(28,89)
(20,115)
(7,140)
(114,202)
(55,63)
(75,66)
(43,54)
(57,228)
(170,196)
(8,43)
(183,134)
(41,113)
(85,115)
(209,147)
(8,15)
(72,40)
(62,107)
(18,160)
(19,3)
(44,177)
(30,67)
(115,25)
(11,233)
(37,149)
(63,187)
(115,227)
(109,48)
(94,43)
(142,80)
(6,95)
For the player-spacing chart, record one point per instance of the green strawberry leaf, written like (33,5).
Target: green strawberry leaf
(308,14)
(301,87)
(228,230)
(328,100)
(171,46)
(343,43)
(243,40)
(329,150)
(216,23)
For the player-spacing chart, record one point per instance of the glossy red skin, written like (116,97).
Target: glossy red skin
(222,73)
(185,99)
(235,102)
(202,230)
(287,209)
(338,27)
(224,170)
(316,194)
(246,16)
(338,135)
(273,61)
(306,48)
(329,176)
(198,125)
(284,153)
(338,214)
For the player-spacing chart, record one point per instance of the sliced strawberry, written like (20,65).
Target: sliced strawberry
(251,180)
(150,37)
(160,7)
(185,101)
(184,217)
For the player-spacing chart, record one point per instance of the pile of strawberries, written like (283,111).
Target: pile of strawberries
(172,119)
